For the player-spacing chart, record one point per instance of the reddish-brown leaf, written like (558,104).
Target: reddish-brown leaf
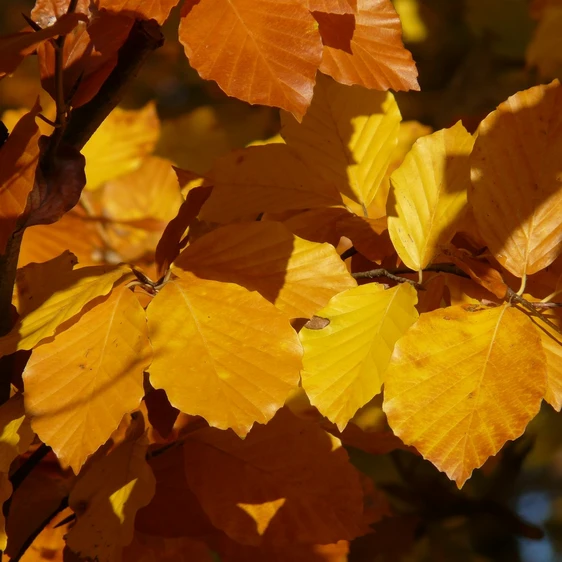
(158,10)
(331,6)
(260,51)
(378,58)
(18,161)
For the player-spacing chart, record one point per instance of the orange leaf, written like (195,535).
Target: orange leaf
(378,58)
(15,47)
(287,483)
(269,178)
(298,276)
(222,352)
(158,10)
(517,186)
(148,548)
(317,225)
(369,236)
(107,497)
(332,6)
(260,51)
(79,385)
(18,161)
(449,389)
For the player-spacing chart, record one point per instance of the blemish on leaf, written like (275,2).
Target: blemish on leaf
(317,323)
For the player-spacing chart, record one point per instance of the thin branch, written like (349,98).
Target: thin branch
(348,253)
(512,296)
(376,273)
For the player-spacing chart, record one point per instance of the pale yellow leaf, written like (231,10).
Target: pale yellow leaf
(428,195)
(79,385)
(462,382)
(344,362)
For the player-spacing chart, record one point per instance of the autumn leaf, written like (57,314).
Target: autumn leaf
(15,438)
(517,187)
(369,236)
(149,548)
(271,178)
(277,39)
(107,497)
(222,352)
(344,361)
(377,57)
(15,47)
(428,195)
(287,483)
(317,225)
(80,385)
(449,389)
(158,10)
(347,137)
(120,143)
(19,157)
(331,6)
(298,276)
(64,295)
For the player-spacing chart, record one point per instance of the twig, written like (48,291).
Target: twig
(512,296)
(376,273)
(348,253)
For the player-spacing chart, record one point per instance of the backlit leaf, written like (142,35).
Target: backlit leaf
(222,352)
(428,195)
(369,236)
(377,57)
(462,382)
(15,438)
(158,10)
(107,497)
(317,225)
(517,185)
(296,275)
(347,137)
(344,362)
(331,6)
(260,51)
(79,385)
(120,144)
(270,178)
(19,157)
(66,293)
(287,483)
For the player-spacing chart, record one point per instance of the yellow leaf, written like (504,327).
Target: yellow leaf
(462,382)
(79,386)
(344,362)
(544,51)
(107,497)
(347,137)
(296,275)
(222,352)
(65,294)
(428,195)
(120,143)
(516,179)
(15,438)
(268,178)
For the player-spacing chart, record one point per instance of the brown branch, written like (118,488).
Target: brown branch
(512,296)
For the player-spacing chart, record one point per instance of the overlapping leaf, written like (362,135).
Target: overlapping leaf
(79,385)
(298,276)
(517,185)
(15,438)
(271,178)
(331,6)
(107,497)
(19,157)
(344,361)
(158,10)
(449,389)
(376,57)
(222,352)
(260,51)
(347,137)
(429,194)
(286,483)
(65,293)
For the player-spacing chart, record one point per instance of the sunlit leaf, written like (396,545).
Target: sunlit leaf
(277,39)
(147,9)
(107,497)
(347,137)
(331,6)
(65,294)
(271,178)
(79,385)
(344,362)
(377,58)
(287,483)
(428,195)
(296,275)
(517,184)
(15,438)
(120,144)
(222,352)
(449,389)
